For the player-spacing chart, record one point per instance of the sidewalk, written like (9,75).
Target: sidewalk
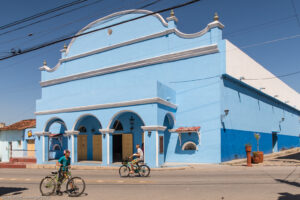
(290,157)
(173,166)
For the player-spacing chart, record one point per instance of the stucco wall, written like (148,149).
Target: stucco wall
(239,64)
(14,137)
(252,112)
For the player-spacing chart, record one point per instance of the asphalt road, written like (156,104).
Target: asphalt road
(199,182)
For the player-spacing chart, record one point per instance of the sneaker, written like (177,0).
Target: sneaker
(59,193)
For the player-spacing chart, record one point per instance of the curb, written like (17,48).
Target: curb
(82,167)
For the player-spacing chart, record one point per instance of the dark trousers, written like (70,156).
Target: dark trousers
(61,176)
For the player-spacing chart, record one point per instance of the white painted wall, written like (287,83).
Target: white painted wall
(239,64)
(14,137)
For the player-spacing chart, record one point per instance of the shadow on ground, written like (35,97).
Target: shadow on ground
(295,156)
(288,196)
(13,190)
(288,182)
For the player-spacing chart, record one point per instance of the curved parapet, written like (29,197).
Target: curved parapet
(165,32)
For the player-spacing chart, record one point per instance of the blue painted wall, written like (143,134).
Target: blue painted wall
(251,112)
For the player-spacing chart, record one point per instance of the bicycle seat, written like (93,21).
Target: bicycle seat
(55,172)
(140,162)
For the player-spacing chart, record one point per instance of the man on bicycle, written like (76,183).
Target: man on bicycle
(64,164)
(139,157)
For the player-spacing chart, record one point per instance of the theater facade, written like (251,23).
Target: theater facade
(187,98)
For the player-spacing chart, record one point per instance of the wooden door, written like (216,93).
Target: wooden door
(127,145)
(97,147)
(82,147)
(30,148)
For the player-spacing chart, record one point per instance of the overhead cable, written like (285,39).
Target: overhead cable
(41,14)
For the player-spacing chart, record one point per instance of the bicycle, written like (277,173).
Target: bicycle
(75,185)
(139,169)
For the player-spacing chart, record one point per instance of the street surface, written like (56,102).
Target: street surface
(197,182)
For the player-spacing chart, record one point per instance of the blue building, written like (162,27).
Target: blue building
(145,82)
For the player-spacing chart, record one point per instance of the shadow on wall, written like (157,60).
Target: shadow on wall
(13,190)
(288,196)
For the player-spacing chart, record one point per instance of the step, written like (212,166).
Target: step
(12,165)
(23,160)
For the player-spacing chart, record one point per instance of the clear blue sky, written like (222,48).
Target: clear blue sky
(246,22)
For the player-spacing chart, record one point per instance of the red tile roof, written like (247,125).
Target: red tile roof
(21,125)
(188,129)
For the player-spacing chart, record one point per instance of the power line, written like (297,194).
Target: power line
(46,19)
(89,32)
(272,22)
(198,79)
(267,78)
(41,14)
(295,11)
(48,31)
(141,7)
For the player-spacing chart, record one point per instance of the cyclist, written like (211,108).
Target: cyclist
(64,165)
(139,157)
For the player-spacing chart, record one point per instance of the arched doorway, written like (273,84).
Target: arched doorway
(89,139)
(127,134)
(57,142)
(169,122)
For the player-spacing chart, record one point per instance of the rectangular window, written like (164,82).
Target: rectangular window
(161,144)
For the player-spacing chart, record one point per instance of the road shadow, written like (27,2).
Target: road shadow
(288,182)
(13,190)
(288,196)
(295,156)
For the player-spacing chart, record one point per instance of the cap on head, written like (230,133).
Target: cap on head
(66,151)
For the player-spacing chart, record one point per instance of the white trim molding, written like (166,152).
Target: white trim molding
(203,50)
(69,133)
(111,105)
(154,128)
(106,131)
(156,143)
(43,149)
(73,147)
(41,133)
(187,143)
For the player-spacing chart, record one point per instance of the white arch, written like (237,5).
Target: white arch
(189,142)
(82,116)
(62,122)
(121,112)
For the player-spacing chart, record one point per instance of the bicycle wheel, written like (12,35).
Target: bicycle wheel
(47,186)
(75,186)
(124,171)
(144,170)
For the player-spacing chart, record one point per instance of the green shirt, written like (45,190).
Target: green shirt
(65,163)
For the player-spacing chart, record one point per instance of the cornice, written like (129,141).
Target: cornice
(154,128)
(105,131)
(41,133)
(68,133)
(137,64)
(111,105)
